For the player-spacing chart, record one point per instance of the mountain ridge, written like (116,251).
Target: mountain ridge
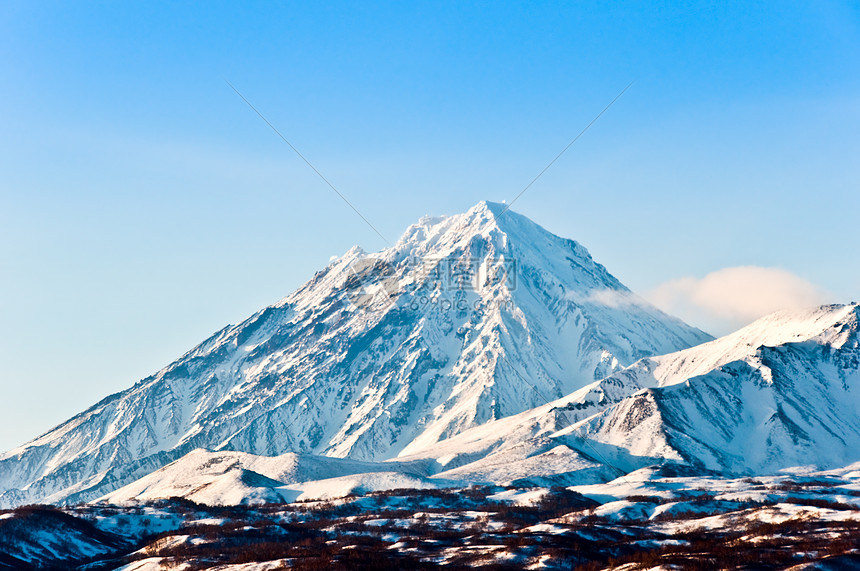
(793,403)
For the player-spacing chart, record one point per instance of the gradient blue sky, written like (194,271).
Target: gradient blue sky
(143,206)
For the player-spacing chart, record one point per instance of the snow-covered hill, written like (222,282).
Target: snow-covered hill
(234,478)
(41,537)
(467,319)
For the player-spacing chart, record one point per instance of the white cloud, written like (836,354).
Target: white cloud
(607,298)
(730,298)
(612,298)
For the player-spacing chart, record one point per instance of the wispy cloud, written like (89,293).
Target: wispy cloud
(730,298)
(609,298)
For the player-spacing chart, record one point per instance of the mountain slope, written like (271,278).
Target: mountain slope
(781,392)
(466,319)
(784,391)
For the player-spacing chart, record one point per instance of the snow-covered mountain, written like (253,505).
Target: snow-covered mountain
(467,319)
(779,393)
(783,391)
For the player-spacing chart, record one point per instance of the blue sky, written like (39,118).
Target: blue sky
(144,206)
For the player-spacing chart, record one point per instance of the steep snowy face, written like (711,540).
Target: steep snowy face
(784,391)
(468,318)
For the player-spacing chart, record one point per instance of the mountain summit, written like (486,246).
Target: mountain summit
(466,319)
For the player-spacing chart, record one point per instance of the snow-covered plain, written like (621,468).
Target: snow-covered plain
(659,514)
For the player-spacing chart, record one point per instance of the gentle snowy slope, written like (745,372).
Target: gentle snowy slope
(532,445)
(316,374)
(233,478)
